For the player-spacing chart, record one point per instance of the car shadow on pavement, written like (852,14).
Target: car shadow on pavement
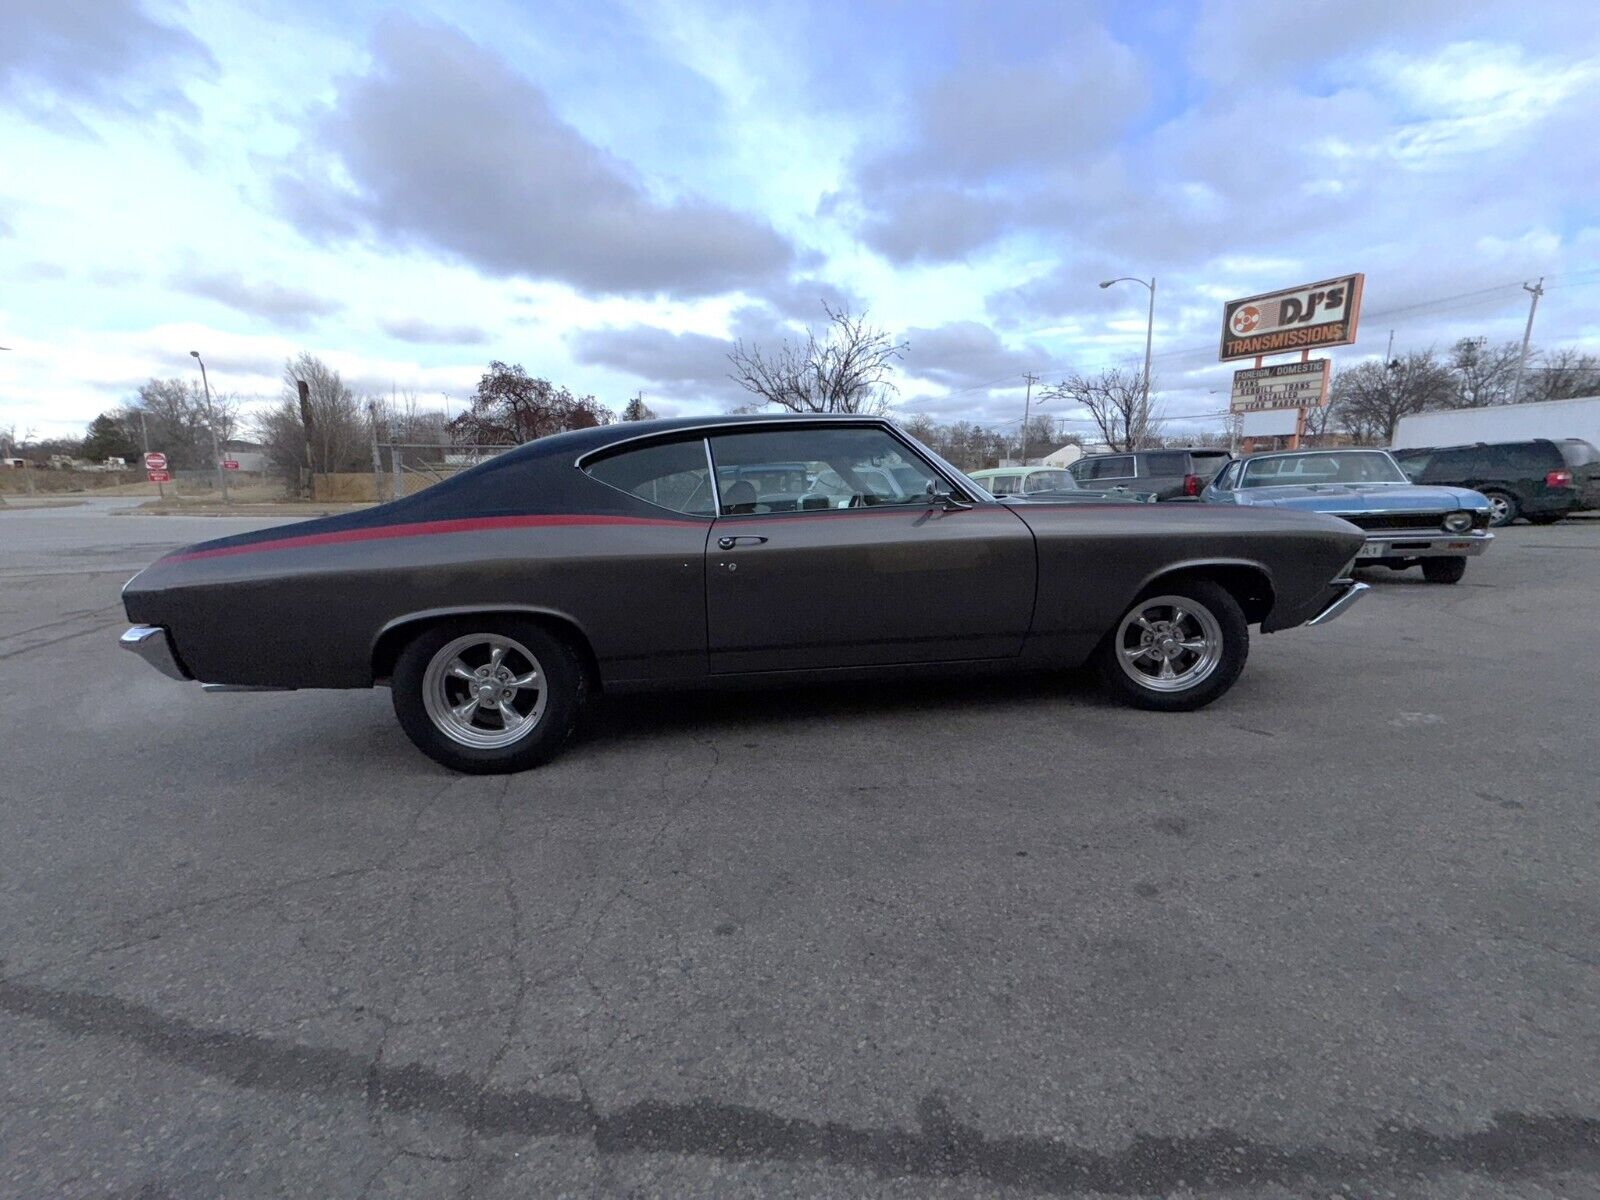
(614,717)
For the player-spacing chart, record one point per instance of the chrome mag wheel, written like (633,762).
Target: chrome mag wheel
(1169,643)
(484,690)
(1499,509)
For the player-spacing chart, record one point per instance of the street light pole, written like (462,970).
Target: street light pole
(211,420)
(1149,334)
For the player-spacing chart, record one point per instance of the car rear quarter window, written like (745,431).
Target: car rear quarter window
(1579,453)
(669,474)
(1533,458)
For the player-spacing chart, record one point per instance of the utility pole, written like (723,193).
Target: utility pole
(211,420)
(377,458)
(1388,355)
(1149,333)
(306,425)
(1535,291)
(144,434)
(1027,413)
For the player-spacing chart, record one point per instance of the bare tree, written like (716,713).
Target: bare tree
(1373,396)
(1484,374)
(339,436)
(1321,420)
(1563,375)
(850,368)
(1115,401)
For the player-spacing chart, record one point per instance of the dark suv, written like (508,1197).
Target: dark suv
(1540,479)
(1170,474)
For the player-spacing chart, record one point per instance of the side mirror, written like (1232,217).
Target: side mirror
(942,499)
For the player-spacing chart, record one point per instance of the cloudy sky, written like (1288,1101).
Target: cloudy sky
(610,191)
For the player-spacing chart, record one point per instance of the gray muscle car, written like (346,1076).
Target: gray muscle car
(1437,528)
(684,552)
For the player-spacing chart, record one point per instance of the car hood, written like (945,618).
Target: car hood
(1338,498)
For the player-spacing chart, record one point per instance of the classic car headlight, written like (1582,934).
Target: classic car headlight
(1457,522)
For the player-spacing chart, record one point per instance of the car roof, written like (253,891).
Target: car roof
(582,442)
(1157,450)
(1493,445)
(1319,450)
(1014,470)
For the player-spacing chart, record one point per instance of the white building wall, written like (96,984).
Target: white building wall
(1502,423)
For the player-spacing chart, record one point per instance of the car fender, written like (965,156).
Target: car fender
(385,638)
(1216,563)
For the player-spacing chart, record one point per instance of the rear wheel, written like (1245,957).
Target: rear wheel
(1176,650)
(1503,508)
(1444,570)
(488,695)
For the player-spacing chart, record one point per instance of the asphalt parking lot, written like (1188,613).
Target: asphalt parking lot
(1339,933)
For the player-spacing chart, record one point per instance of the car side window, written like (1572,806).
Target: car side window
(1452,464)
(1003,485)
(1119,467)
(1224,481)
(672,475)
(800,470)
(1045,481)
(1414,465)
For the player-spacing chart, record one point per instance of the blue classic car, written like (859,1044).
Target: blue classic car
(1407,525)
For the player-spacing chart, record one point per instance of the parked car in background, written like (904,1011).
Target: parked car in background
(1542,479)
(1170,474)
(634,556)
(1049,483)
(1407,525)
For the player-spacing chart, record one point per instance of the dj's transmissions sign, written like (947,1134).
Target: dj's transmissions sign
(1302,318)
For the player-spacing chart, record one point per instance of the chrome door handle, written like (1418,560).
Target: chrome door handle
(728,543)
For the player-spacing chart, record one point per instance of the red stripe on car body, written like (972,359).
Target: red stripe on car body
(421,529)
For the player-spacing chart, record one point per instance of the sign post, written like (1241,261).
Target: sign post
(1282,322)
(155,465)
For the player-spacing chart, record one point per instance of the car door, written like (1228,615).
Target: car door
(854,577)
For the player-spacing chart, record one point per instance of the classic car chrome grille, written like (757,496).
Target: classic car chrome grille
(1400,520)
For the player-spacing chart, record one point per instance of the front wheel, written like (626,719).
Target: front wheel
(488,695)
(1177,650)
(1444,570)
(1503,508)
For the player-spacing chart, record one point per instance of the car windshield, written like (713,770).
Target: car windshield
(1354,466)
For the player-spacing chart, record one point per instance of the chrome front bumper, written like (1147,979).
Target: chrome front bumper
(151,643)
(1340,603)
(1423,544)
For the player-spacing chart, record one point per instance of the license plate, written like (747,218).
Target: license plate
(1371,550)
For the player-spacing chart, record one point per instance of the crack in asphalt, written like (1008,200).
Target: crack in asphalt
(1514,1144)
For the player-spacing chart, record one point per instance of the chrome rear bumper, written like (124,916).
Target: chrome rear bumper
(1340,603)
(150,642)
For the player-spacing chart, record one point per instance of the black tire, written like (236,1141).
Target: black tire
(1444,570)
(565,688)
(1505,508)
(1545,518)
(1124,637)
